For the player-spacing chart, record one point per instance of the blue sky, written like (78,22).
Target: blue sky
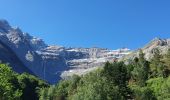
(90,23)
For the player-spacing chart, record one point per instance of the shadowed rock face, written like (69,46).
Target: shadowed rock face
(8,56)
(49,62)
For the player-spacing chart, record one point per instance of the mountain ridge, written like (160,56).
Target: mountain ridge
(157,43)
(52,63)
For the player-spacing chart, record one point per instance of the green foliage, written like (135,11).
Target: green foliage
(18,87)
(141,56)
(61,91)
(30,86)
(109,83)
(9,88)
(48,93)
(156,65)
(116,74)
(167,59)
(142,93)
(97,91)
(161,87)
(43,94)
(138,80)
(94,86)
(140,72)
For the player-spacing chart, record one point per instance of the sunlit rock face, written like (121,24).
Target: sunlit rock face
(52,63)
(157,43)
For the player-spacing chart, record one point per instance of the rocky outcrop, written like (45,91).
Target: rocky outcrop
(162,44)
(50,62)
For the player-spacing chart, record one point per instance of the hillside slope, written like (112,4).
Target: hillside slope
(162,44)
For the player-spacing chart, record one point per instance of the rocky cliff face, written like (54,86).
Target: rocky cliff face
(50,62)
(162,44)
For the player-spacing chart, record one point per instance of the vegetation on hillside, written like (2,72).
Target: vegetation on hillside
(14,86)
(138,79)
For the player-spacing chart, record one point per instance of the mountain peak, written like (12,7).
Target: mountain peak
(52,63)
(4,25)
(156,42)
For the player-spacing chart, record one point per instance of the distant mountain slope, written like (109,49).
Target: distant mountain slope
(50,62)
(162,44)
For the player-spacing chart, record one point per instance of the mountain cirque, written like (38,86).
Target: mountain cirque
(26,53)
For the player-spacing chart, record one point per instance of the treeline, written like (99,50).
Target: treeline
(137,79)
(14,86)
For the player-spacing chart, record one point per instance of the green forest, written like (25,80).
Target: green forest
(136,79)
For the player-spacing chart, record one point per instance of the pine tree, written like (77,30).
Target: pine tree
(156,64)
(141,70)
(166,60)
(116,74)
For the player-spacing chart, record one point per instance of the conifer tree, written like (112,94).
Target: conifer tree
(141,69)
(156,64)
